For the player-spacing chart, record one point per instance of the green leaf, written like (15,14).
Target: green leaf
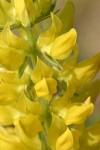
(52,62)
(22,68)
(47,113)
(29,92)
(66,15)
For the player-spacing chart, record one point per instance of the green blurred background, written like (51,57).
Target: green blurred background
(87,24)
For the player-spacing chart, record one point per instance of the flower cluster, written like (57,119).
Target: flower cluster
(46,95)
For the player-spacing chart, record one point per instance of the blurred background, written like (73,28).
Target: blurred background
(87,24)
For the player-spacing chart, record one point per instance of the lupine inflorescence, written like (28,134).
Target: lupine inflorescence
(46,95)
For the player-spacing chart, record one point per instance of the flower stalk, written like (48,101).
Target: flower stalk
(46,95)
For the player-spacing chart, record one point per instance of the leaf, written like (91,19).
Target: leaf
(66,15)
(52,61)
(22,68)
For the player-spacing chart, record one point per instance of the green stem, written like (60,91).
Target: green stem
(32,43)
(52,61)
(31,39)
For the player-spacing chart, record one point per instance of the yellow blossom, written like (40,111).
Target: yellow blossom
(91,137)
(48,36)
(56,129)
(42,77)
(65,141)
(7,13)
(84,71)
(12,49)
(57,46)
(10,141)
(28,125)
(13,87)
(29,11)
(11,94)
(44,87)
(78,114)
(46,95)
(74,113)
(41,70)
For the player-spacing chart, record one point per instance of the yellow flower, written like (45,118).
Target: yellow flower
(48,36)
(29,11)
(28,126)
(41,70)
(8,115)
(90,137)
(73,113)
(12,49)
(7,13)
(57,127)
(62,46)
(44,87)
(70,64)
(11,89)
(9,140)
(19,108)
(26,12)
(61,101)
(82,72)
(57,46)
(11,94)
(86,70)
(59,136)
(47,107)
(23,114)
(65,141)
(42,77)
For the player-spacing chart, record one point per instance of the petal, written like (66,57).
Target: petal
(91,137)
(86,70)
(8,94)
(12,141)
(25,105)
(65,141)
(8,115)
(12,49)
(50,34)
(76,138)
(63,45)
(56,129)
(75,114)
(45,87)
(10,58)
(7,76)
(39,72)
(28,125)
(59,103)
(12,40)
(66,15)
(22,12)
(70,64)
(7,13)
(27,128)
